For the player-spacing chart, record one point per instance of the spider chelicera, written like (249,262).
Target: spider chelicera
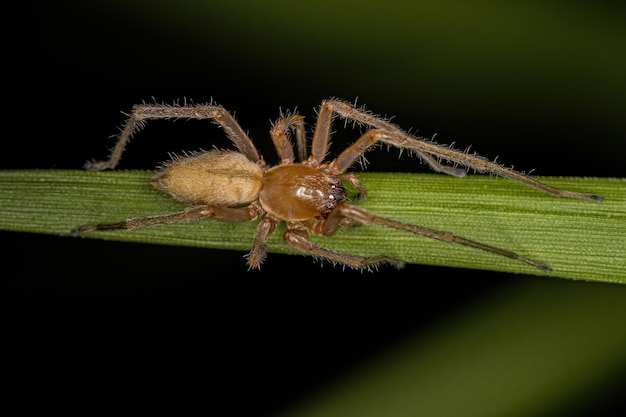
(302,190)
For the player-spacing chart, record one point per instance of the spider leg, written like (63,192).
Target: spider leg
(299,239)
(346,111)
(361,215)
(189,215)
(401,140)
(142,113)
(281,141)
(257,255)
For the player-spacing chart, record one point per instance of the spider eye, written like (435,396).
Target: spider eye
(336,194)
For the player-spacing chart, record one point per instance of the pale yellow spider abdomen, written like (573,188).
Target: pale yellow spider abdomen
(214,178)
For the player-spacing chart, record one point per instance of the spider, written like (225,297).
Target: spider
(303,190)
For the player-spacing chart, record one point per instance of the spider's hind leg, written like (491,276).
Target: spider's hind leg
(188,215)
(143,113)
(134,223)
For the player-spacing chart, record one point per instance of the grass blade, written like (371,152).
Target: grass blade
(579,239)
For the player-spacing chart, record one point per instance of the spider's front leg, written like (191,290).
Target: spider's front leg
(142,113)
(385,132)
(348,112)
(299,238)
(402,140)
(363,216)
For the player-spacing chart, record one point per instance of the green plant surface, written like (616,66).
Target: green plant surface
(578,239)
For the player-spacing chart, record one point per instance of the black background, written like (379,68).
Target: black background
(135,315)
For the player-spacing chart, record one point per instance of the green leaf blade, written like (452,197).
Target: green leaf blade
(579,239)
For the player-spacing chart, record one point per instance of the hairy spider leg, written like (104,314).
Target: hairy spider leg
(398,139)
(321,137)
(363,216)
(257,255)
(299,239)
(142,113)
(281,140)
(390,134)
(229,214)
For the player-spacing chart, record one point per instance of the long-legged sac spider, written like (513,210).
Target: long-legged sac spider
(303,190)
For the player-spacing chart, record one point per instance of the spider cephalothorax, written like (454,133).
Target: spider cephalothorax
(306,192)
